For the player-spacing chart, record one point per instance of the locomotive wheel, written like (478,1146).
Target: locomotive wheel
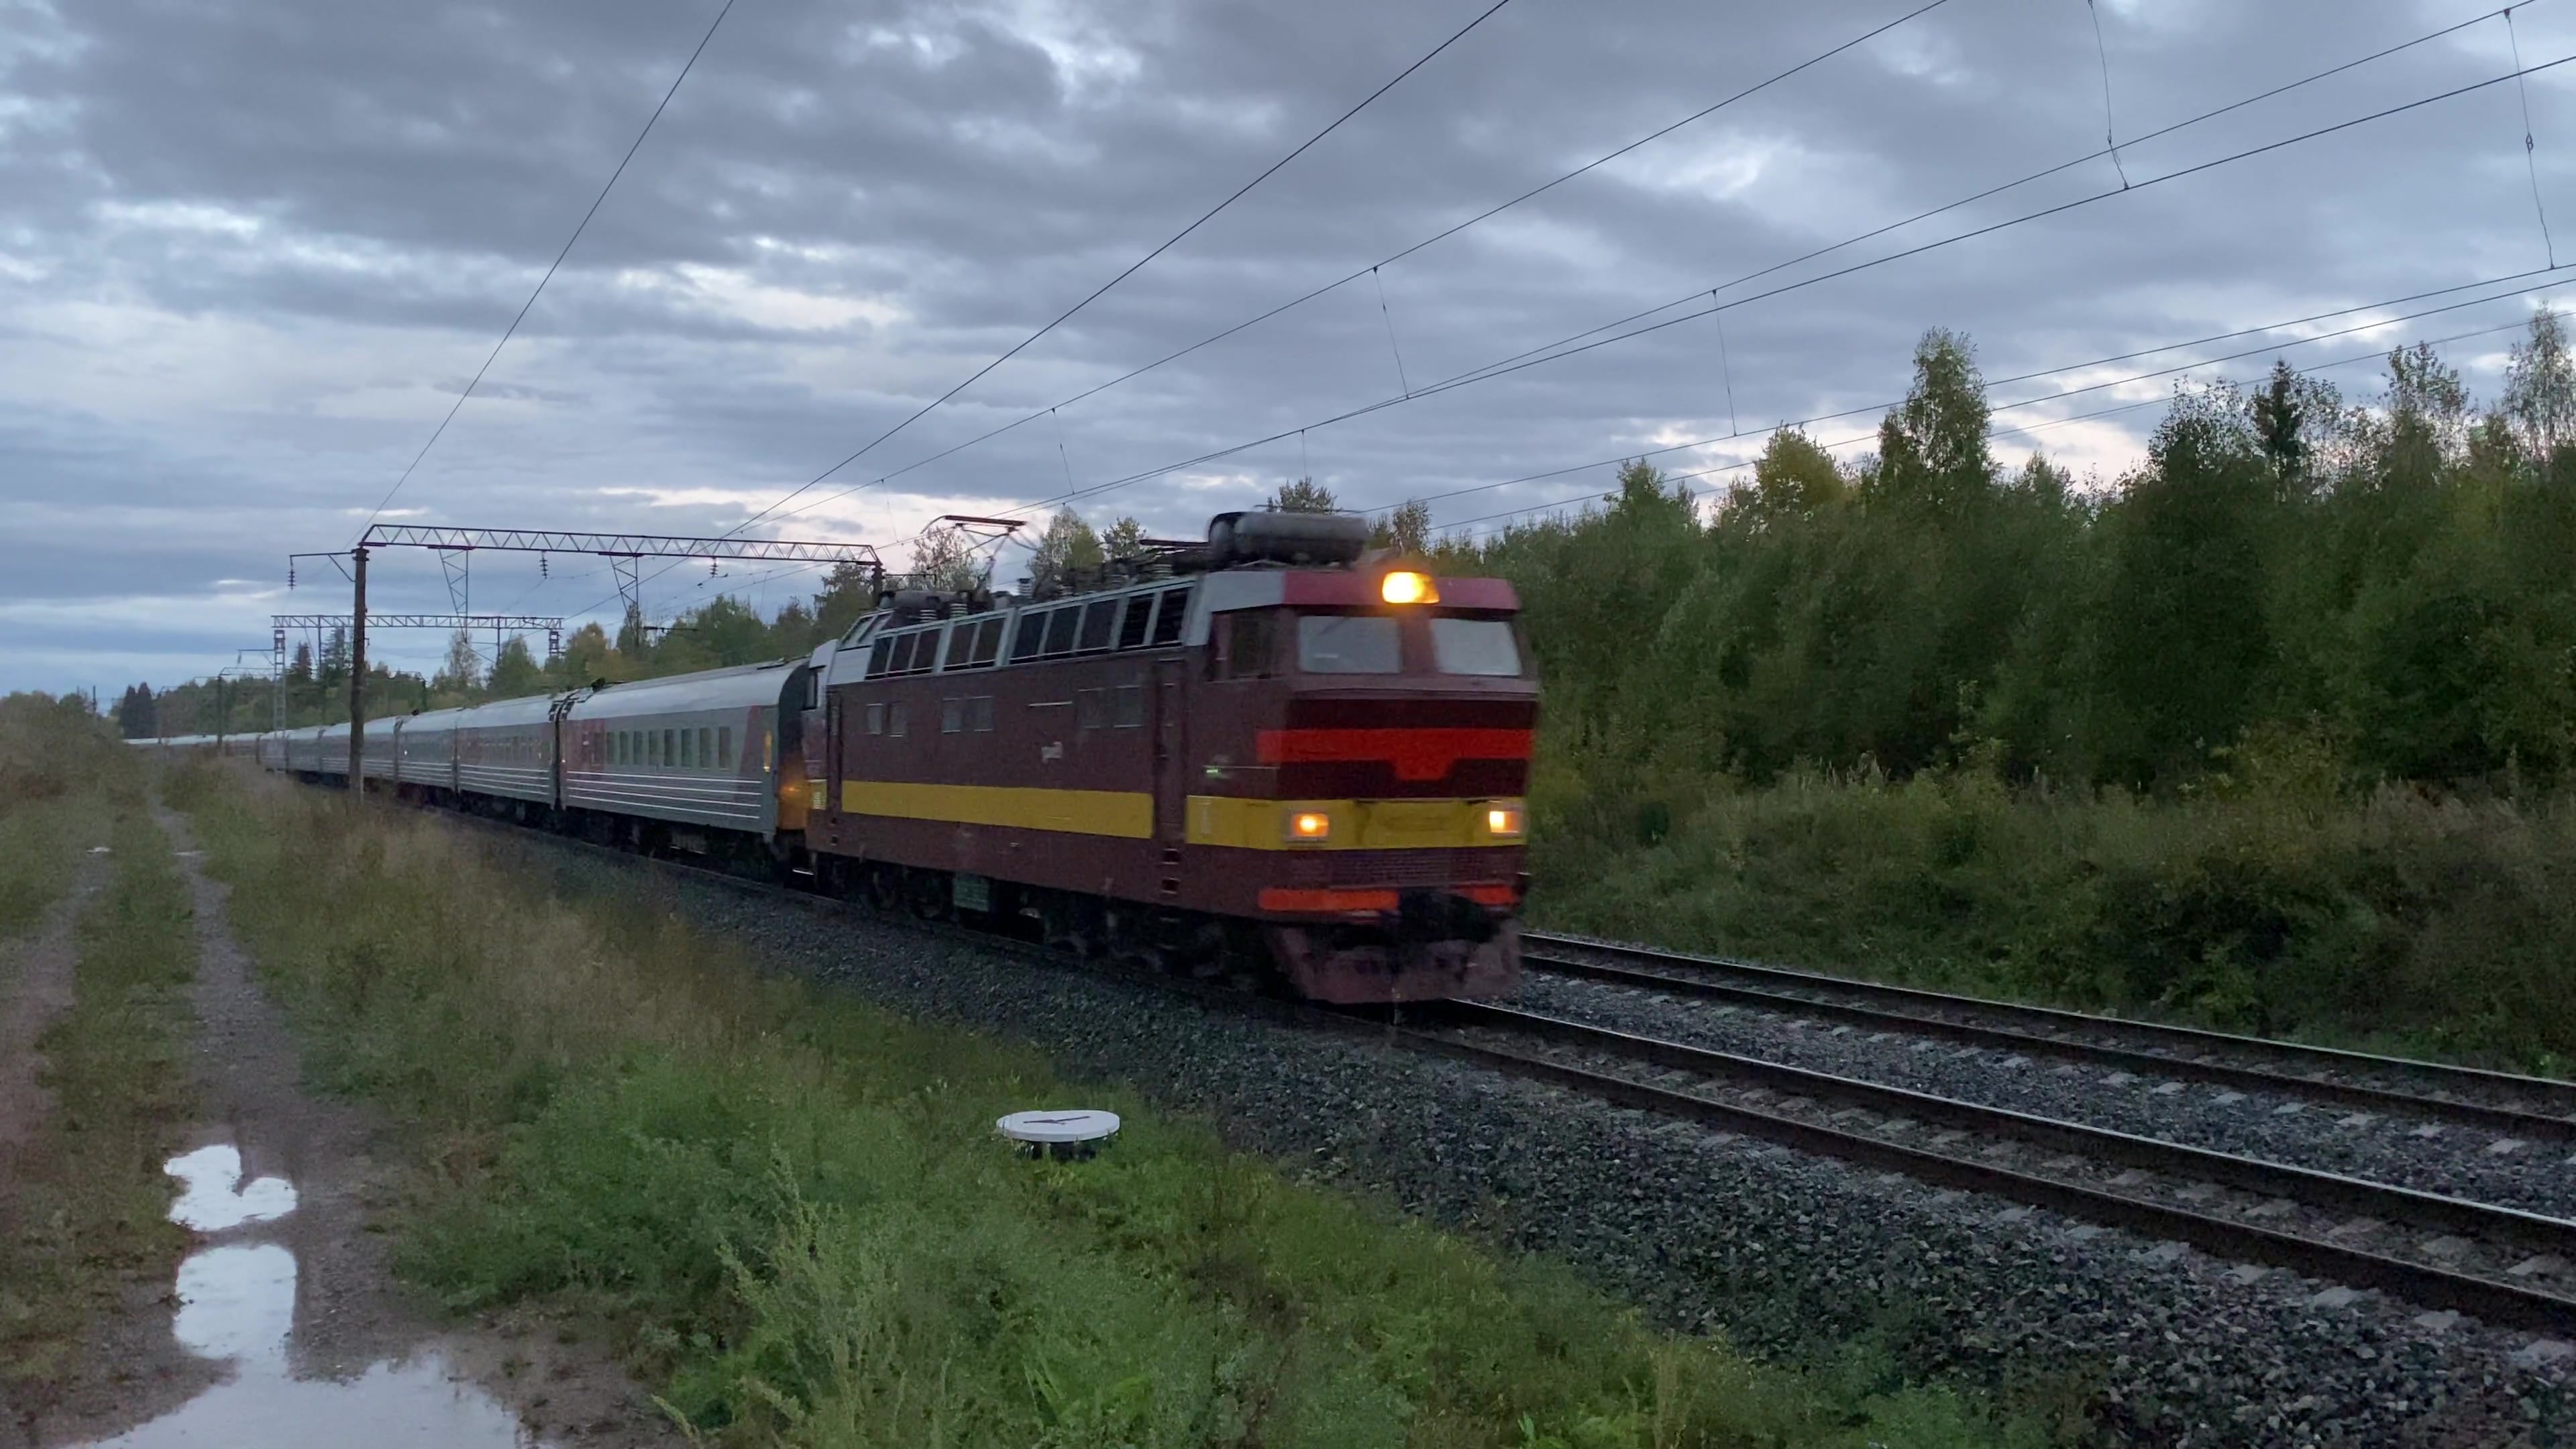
(927,893)
(1071,924)
(884,888)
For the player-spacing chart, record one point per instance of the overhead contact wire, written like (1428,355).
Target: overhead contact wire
(584,225)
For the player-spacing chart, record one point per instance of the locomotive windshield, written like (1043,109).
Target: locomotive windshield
(1474,646)
(1349,644)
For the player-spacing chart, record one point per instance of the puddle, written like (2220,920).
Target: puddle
(216,1198)
(237,1306)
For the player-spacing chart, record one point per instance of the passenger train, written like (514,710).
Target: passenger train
(1272,746)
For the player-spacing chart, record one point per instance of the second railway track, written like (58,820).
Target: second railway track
(2476,1264)
(2533,1108)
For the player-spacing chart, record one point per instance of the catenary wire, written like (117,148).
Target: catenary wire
(1139,264)
(2514,280)
(1488,374)
(1389,260)
(512,330)
(1995,432)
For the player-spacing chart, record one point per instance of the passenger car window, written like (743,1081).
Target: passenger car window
(706,752)
(724,746)
(1348,644)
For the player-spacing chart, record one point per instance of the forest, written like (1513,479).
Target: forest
(2277,729)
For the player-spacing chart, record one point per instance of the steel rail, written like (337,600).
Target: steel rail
(2200,1069)
(2496,1302)
(2504,1304)
(2180,1038)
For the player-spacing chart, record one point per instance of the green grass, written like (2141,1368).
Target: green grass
(2271,903)
(790,1209)
(92,1200)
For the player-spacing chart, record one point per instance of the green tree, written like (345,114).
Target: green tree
(1305,495)
(1405,529)
(1124,539)
(2540,387)
(1068,544)
(461,673)
(1932,447)
(515,673)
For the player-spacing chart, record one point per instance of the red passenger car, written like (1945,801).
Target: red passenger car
(1268,745)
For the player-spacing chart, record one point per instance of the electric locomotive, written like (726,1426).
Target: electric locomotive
(1271,742)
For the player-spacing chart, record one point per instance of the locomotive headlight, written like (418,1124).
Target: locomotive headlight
(1309,827)
(1504,822)
(1406,587)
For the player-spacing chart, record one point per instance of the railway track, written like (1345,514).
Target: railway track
(2529,1108)
(2243,1209)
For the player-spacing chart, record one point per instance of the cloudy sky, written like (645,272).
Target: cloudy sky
(251,252)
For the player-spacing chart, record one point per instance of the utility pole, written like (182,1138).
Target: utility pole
(358,678)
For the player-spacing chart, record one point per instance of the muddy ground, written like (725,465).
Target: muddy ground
(286,1324)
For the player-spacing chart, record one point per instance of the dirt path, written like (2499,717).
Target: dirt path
(340,1352)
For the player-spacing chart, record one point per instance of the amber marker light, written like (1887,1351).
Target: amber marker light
(1503,822)
(1407,587)
(1309,827)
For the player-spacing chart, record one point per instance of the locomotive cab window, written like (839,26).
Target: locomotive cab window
(1349,644)
(1243,644)
(1475,646)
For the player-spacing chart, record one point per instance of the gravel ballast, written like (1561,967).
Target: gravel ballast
(1791,1256)
(2418,1152)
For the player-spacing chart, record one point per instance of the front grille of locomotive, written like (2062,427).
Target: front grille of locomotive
(1437,866)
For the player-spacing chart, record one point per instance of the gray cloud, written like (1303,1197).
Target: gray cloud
(249,253)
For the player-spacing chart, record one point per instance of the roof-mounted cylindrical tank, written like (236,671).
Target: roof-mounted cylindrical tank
(1286,538)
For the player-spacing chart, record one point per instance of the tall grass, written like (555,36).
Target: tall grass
(2270,902)
(90,1201)
(57,765)
(792,1208)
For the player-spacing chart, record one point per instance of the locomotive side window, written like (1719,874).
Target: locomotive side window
(876,719)
(877,654)
(1130,714)
(1167,620)
(988,642)
(1060,629)
(983,713)
(1348,644)
(952,715)
(894,719)
(1138,623)
(1088,707)
(901,660)
(1098,618)
(1031,638)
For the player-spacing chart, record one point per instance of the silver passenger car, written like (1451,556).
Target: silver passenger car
(507,749)
(695,749)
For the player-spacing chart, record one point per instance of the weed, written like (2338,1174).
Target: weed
(788,1208)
